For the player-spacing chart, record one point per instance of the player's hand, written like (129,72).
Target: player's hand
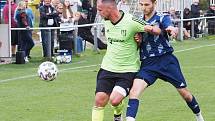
(138,37)
(148,28)
(173,31)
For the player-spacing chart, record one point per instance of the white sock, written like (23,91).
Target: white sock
(130,119)
(199,117)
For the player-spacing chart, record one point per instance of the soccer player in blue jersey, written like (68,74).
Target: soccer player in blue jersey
(157,61)
(121,61)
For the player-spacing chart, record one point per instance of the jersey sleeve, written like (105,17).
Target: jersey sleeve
(138,24)
(166,21)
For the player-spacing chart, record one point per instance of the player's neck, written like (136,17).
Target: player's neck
(147,17)
(115,16)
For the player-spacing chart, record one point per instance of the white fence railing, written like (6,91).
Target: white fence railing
(75,27)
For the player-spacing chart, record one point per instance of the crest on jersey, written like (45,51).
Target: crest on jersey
(123,32)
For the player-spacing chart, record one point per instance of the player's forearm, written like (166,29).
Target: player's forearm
(155,30)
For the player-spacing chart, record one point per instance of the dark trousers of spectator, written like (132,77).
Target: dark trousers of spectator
(26,42)
(87,36)
(47,37)
(211,27)
(196,29)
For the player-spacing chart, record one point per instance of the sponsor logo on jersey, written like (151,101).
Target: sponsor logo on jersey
(111,40)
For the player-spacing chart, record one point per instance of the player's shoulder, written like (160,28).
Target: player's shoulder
(161,16)
(137,19)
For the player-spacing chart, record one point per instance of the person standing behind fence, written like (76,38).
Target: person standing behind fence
(195,13)
(76,5)
(211,21)
(48,18)
(67,34)
(25,37)
(86,34)
(123,5)
(14,33)
(30,15)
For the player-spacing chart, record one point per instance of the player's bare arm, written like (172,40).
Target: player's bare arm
(155,30)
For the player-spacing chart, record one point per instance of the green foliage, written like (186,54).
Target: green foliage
(24,97)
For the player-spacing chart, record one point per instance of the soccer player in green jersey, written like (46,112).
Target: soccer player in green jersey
(121,61)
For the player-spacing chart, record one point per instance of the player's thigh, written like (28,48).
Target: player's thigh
(171,72)
(138,88)
(122,87)
(105,82)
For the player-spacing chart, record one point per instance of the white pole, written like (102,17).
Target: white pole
(181,27)
(9,28)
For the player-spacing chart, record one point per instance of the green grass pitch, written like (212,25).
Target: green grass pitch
(24,97)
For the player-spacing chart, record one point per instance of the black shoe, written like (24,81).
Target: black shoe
(29,57)
(117,117)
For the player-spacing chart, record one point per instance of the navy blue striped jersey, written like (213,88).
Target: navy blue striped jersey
(156,45)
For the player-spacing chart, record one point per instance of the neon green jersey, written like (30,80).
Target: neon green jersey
(122,53)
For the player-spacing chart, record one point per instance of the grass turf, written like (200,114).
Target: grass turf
(24,97)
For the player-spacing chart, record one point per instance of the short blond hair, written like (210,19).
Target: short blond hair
(21,4)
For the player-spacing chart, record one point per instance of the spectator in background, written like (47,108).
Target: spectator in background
(25,40)
(55,3)
(186,15)
(14,33)
(90,10)
(76,5)
(123,5)
(173,17)
(30,15)
(211,21)
(195,13)
(67,20)
(48,18)
(85,32)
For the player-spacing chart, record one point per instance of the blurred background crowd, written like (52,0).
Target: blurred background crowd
(67,13)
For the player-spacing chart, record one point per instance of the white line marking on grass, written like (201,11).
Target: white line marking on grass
(193,48)
(24,77)
(199,67)
(21,77)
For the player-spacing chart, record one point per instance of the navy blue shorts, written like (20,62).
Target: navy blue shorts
(165,67)
(107,80)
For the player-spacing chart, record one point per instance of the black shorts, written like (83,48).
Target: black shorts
(107,80)
(14,37)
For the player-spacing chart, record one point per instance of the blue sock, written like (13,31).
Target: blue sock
(132,108)
(194,106)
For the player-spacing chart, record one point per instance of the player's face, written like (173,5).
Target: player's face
(147,6)
(103,9)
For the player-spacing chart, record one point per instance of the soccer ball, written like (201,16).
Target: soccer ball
(47,71)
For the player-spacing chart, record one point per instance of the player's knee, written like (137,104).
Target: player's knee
(186,95)
(115,102)
(101,100)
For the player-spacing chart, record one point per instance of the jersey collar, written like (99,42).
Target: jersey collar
(150,18)
(120,18)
